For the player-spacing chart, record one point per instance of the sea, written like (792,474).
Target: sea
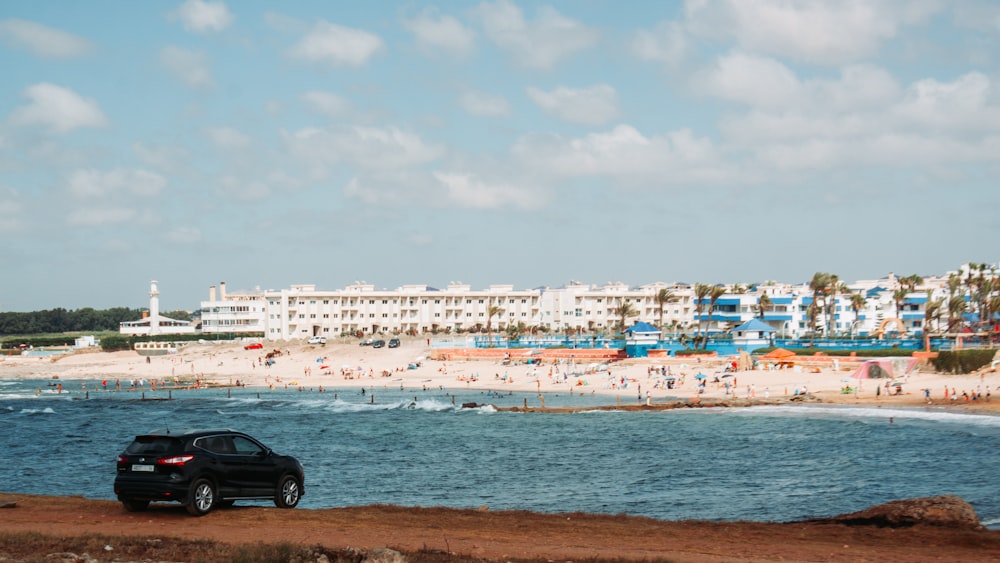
(420,447)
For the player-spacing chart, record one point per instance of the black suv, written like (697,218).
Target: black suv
(205,469)
(378,344)
(394,343)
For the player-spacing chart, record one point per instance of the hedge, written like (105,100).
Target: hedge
(962,361)
(868,353)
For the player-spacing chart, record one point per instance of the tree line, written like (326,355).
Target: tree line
(76,320)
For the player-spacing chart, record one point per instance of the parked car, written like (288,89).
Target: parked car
(368,342)
(394,343)
(254,346)
(317,340)
(205,469)
(378,344)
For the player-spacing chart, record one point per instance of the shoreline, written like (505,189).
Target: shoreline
(633,384)
(484,534)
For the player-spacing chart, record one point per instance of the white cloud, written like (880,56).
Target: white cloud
(91,184)
(326,103)
(486,105)
(470,191)
(623,153)
(539,44)
(596,105)
(59,109)
(190,67)
(183,235)
(161,156)
(667,43)
(41,40)
(246,190)
(751,79)
(201,17)
(11,211)
(816,32)
(97,216)
(368,147)
(964,103)
(441,32)
(228,138)
(340,46)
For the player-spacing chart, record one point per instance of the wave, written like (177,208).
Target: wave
(991,523)
(46,410)
(849,412)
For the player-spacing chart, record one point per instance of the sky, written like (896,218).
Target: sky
(495,142)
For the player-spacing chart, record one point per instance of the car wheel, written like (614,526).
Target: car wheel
(133,505)
(201,498)
(288,493)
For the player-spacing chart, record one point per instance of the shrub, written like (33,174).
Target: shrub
(962,361)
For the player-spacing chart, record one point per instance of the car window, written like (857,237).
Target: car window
(244,446)
(215,444)
(151,445)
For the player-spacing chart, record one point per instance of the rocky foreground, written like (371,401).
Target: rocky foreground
(942,528)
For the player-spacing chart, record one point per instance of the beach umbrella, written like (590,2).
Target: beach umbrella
(727,375)
(700,376)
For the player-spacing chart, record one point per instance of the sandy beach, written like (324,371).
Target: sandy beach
(635,382)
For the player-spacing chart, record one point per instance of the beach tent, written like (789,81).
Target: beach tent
(893,368)
(779,354)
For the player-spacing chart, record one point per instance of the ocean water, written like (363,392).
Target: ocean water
(417,447)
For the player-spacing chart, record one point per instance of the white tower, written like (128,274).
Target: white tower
(154,308)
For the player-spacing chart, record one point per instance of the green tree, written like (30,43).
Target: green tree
(713,297)
(858,301)
(701,291)
(663,298)
(819,285)
(899,296)
(492,310)
(763,302)
(623,311)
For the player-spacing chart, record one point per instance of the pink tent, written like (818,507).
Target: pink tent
(885,368)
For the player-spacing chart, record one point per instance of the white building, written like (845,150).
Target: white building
(154,323)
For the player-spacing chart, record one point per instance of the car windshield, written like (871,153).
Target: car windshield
(151,445)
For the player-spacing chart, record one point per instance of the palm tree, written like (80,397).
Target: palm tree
(858,301)
(956,308)
(932,312)
(819,284)
(713,295)
(835,286)
(624,310)
(763,302)
(664,297)
(701,291)
(899,296)
(492,310)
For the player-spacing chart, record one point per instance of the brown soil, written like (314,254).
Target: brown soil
(505,535)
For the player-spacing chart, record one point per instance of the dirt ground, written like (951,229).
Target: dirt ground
(504,535)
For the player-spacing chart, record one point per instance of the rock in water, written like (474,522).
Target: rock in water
(949,511)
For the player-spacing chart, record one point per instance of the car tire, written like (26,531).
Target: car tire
(133,505)
(201,497)
(288,492)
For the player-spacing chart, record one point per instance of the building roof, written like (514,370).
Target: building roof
(755,325)
(642,327)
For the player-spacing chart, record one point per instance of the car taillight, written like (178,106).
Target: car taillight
(122,459)
(176,460)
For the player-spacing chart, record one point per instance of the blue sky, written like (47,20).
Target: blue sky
(266,144)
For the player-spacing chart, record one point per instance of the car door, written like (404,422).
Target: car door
(258,476)
(225,466)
